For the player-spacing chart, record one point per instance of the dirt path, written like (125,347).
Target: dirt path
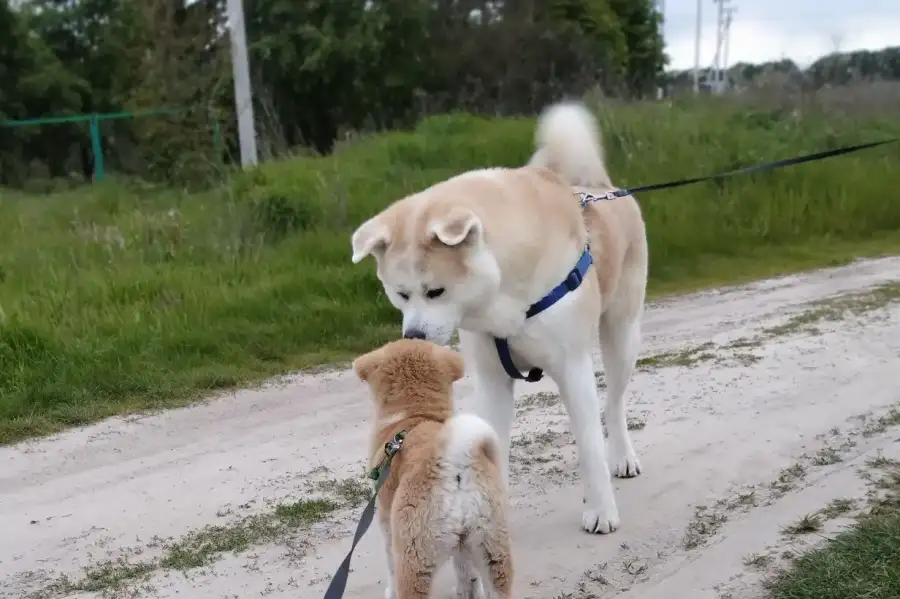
(753,406)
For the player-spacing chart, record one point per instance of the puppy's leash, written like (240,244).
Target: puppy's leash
(379,474)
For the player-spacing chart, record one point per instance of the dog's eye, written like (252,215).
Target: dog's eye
(403,296)
(433,293)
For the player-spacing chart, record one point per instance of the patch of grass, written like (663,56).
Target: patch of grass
(826,456)
(118,298)
(636,423)
(353,491)
(201,547)
(538,440)
(881,424)
(805,525)
(542,399)
(705,524)
(838,507)
(687,357)
(862,562)
(837,308)
(787,479)
(760,561)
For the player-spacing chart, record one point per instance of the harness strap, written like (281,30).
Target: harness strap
(570,283)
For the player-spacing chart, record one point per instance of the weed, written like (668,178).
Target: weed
(705,524)
(826,456)
(805,525)
(758,560)
(838,507)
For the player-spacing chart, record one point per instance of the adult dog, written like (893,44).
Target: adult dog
(480,253)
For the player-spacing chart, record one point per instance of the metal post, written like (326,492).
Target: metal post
(697,47)
(243,96)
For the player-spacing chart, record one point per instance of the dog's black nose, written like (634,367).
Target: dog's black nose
(413,334)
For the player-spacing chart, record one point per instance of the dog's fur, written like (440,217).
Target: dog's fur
(473,252)
(445,496)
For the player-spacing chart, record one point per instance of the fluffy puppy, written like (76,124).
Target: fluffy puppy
(445,496)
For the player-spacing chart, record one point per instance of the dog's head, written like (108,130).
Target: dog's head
(410,376)
(433,261)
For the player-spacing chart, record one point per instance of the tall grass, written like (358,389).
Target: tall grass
(117,297)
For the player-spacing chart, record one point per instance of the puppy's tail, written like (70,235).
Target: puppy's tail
(568,143)
(467,436)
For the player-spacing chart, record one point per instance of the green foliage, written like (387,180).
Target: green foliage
(116,297)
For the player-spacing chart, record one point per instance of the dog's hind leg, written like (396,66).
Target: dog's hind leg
(415,565)
(496,564)
(620,338)
(578,391)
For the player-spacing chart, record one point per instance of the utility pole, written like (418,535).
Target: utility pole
(697,47)
(661,8)
(243,94)
(721,33)
(729,16)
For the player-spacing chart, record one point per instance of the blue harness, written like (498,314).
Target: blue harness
(571,283)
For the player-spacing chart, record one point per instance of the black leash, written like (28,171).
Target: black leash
(587,198)
(379,474)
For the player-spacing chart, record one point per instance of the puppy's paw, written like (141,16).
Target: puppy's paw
(600,521)
(471,589)
(624,464)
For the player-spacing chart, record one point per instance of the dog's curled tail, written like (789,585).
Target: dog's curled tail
(568,142)
(467,436)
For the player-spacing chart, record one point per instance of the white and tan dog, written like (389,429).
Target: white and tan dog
(445,496)
(472,253)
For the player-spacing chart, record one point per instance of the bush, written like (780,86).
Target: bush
(116,298)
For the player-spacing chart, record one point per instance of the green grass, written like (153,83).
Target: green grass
(118,298)
(862,562)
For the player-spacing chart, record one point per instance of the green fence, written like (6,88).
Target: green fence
(94,121)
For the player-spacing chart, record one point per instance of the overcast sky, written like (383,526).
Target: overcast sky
(801,30)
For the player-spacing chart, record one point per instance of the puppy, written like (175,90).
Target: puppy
(445,496)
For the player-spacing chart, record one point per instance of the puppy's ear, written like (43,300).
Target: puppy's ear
(451,362)
(366,365)
(457,226)
(371,237)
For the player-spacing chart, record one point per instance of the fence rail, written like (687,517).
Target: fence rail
(94,121)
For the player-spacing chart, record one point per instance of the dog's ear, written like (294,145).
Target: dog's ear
(366,365)
(451,362)
(456,226)
(371,237)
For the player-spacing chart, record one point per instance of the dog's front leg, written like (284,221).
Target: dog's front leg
(578,391)
(493,393)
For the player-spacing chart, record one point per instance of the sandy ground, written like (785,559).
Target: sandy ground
(744,421)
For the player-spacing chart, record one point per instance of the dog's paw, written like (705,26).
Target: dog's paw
(389,592)
(472,589)
(624,464)
(600,521)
